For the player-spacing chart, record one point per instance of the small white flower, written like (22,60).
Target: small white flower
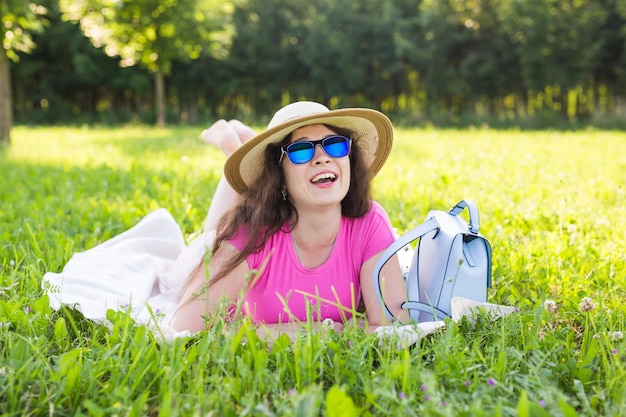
(328,324)
(587,304)
(550,306)
(184,159)
(12,262)
(616,336)
(571,228)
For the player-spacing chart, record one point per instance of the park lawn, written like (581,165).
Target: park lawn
(553,205)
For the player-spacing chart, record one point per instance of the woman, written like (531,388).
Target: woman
(296,208)
(292,232)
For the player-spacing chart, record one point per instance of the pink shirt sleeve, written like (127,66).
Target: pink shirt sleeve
(285,290)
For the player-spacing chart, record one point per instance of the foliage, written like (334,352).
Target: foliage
(552,52)
(508,62)
(18,19)
(551,204)
(69,70)
(153,33)
(150,32)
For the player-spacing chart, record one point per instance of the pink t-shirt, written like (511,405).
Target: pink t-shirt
(284,288)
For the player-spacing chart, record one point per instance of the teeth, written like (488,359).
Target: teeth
(324,176)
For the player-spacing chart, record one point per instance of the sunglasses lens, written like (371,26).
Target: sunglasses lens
(300,152)
(336,146)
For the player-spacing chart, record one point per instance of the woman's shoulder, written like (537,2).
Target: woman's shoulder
(377,211)
(370,234)
(377,208)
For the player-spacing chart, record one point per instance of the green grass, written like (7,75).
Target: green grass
(552,204)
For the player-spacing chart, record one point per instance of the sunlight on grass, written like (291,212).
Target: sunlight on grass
(115,147)
(549,201)
(552,205)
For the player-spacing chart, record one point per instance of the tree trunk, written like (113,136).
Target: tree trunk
(159,96)
(5,99)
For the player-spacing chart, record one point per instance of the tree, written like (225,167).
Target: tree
(154,33)
(560,43)
(442,52)
(17,19)
(610,70)
(264,54)
(490,67)
(350,53)
(65,79)
(621,33)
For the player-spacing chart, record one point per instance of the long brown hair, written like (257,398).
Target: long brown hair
(261,223)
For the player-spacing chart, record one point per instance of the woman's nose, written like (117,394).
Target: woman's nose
(320,155)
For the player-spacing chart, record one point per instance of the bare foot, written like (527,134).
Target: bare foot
(245,132)
(222,135)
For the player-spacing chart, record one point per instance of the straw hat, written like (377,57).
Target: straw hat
(373,134)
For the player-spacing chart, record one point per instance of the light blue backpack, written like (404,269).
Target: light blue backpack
(452,259)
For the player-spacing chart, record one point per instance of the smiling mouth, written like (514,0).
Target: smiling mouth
(324,178)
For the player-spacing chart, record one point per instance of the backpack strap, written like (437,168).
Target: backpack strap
(428,226)
(427,308)
(474,221)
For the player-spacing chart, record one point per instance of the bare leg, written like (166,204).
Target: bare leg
(244,132)
(227,136)
(223,200)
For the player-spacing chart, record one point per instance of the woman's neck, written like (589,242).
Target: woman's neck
(317,228)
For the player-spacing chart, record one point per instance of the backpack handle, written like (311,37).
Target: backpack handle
(428,226)
(474,220)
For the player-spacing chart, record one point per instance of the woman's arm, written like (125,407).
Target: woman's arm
(200,300)
(270,332)
(393,288)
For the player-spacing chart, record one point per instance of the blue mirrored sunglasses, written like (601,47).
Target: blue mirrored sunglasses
(302,151)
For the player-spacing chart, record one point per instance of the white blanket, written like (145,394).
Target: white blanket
(144,266)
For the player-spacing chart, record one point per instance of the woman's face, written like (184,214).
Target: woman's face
(322,181)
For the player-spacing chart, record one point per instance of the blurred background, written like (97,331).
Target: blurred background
(502,63)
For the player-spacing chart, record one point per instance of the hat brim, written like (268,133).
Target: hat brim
(373,134)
